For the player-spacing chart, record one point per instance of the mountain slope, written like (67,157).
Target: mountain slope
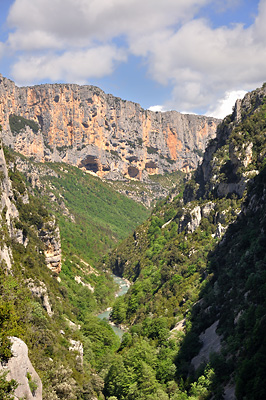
(198,266)
(81,200)
(50,293)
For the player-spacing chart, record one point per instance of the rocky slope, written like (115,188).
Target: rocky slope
(48,233)
(103,134)
(198,267)
(238,151)
(29,242)
(54,313)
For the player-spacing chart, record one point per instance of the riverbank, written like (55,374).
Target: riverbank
(124,285)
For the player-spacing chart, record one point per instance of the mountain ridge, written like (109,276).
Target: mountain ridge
(101,133)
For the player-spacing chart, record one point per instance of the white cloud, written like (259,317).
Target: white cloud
(2,47)
(47,32)
(35,40)
(71,66)
(73,40)
(81,20)
(156,108)
(259,26)
(225,105)
(202,63)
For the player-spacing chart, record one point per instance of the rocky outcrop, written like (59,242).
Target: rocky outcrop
(113,138)
(7,196)
(8,213)
(50,236)
(79,280)
(19,367)
(224,188)
(39,290)
(7,257)
(227,163)
(211,343)
(77,346)
(195,216)
(179,327)
(191,219)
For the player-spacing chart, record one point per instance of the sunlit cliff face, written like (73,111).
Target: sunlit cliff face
(102,134)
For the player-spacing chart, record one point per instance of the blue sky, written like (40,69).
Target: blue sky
(194,56)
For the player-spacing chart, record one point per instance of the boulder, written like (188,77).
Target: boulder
(20,368)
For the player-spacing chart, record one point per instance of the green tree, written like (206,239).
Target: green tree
(7,388)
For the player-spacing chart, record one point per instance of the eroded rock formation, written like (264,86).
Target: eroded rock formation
(239,157)
(39,290)
(211,344)
(19,367)
(50,236)
(100,133)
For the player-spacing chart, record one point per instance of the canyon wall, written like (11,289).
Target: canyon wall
(114,138)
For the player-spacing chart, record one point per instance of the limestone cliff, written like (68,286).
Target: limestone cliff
(103,134)
(49,231)
(233,157)
(50,236)
(8,213)
(20,368)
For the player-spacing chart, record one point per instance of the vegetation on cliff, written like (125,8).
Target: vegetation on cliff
(94,217)
(114,138)
(186,278)
(91,215)
(17,123)
(197,265)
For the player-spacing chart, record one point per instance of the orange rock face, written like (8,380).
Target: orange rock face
(113,138)
(174,144)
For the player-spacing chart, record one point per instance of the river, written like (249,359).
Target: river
(123,288)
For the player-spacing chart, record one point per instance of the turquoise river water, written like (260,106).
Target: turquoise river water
(123,288)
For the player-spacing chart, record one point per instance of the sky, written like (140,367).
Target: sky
(193,56)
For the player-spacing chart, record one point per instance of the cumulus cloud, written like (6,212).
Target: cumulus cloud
(202,63)
(55,39)
(34,40)
(81,20)
(71,66)
(225,105)
(74,40)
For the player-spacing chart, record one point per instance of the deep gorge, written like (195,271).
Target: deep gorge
(123,288)
(195,309)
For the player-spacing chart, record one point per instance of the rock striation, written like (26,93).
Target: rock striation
(103,134)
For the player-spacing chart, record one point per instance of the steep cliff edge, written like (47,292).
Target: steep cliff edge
(238,152)
(114,138)
(14,204)
(8,212)
(198,269)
